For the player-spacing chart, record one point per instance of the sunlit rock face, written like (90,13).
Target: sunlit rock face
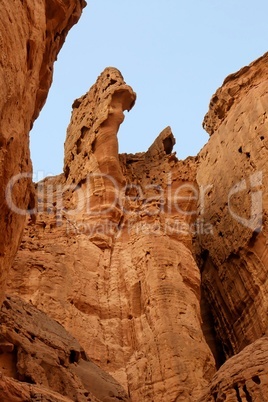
(31,35)
(158,267)
(234,264)
(110,255)
(234,164)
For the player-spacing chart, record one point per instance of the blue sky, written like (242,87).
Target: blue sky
(173,53)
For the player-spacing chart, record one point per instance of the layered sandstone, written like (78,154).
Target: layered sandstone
(157,266)
(116,233)
(31,35)
(39,360)
(243,377)
(110,256)
(233,261)
(233,166)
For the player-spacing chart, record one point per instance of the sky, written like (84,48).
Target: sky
(173,53)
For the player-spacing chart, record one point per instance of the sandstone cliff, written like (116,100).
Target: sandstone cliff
(34,360)
(156,267)
(233,164)
(243,377)
(39,360)
(31,35)
(110,256)
(119,242)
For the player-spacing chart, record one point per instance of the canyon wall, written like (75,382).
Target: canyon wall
(233,166)
(110,255)
(233,261)
(243,377)
(31,35)
(39,360)
(150,272)
(158,266)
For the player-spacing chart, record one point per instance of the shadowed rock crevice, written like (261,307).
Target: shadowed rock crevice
(209,331)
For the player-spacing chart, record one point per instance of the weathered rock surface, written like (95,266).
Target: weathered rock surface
(39,360)
(31,35)
(233,166)
(117,243)
(243,377)
(121,236)
(110,256)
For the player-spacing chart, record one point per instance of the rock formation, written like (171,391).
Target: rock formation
(41,361)
(110,255)
(234,258)
(156,267)
(243,377)
(31,35)
(33,361)
(114,253)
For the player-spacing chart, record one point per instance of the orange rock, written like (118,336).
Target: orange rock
(31,35)
(243,377)
(46,363)
(233,261)
(234,164)
(115,244)
(118,271)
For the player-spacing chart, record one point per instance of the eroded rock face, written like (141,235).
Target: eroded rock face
(31,35)
(110,256)
(40,360)
(91,144)
(119,241)
(243,377)
(233,166)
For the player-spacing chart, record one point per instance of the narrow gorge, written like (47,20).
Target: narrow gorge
(129,277)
